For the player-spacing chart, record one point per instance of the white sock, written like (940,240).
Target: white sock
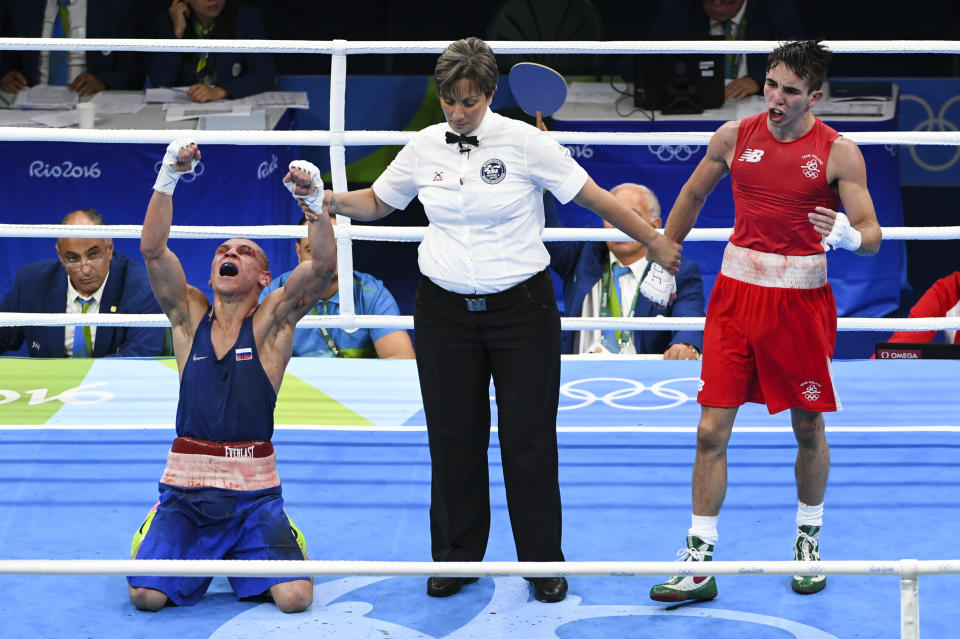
(809,515)
(705,528)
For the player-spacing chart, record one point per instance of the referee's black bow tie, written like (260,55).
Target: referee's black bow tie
(465,139)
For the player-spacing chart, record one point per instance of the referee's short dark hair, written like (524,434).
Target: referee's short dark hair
(468,59)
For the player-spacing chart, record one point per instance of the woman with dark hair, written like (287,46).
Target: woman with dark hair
(485,306)
(212,76)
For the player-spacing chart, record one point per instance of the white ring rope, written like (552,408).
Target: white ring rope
(355,47)
(349,321)
(405,233)
(335,139)
(283,568)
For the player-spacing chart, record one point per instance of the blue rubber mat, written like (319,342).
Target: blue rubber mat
(76,489)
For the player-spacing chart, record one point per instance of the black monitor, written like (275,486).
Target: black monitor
(678,83)
(920,350)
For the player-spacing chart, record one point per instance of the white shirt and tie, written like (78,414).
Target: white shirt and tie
(717,29)
(485,205)
(592,341)
(76,60)
(74,305)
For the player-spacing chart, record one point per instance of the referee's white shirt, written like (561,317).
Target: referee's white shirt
(485,206)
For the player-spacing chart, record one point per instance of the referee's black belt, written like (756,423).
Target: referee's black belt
(490,301)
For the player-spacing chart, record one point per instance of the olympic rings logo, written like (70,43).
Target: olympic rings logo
(811,169)
(934,123)
(186,178)
(630,388)
(667,153)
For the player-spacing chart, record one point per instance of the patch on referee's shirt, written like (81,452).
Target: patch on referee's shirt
(244,353)
(493,171)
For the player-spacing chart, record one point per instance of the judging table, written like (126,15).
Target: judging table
(232,185)
(864,287)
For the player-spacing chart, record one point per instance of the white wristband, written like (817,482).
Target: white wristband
(658,285)
(843,235)
(168,176)
(314,199)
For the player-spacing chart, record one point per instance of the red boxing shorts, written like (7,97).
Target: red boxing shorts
(769,335)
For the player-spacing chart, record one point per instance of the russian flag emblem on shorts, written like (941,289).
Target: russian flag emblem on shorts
(244,353)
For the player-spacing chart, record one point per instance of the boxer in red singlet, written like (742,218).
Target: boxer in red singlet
(771,321)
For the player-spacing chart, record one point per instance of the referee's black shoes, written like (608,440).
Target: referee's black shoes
(550,589)
(547,590)
(446,586)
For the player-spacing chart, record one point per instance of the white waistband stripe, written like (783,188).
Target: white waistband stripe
(771,269)
(229,473)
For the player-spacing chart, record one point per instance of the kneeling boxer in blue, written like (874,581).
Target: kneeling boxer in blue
(220,495)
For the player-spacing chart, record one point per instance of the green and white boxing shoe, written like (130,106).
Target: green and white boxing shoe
(680,588)
(807,548)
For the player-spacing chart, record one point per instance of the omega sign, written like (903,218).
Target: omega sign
(904,353)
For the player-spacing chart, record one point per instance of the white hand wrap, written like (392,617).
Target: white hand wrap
(843,236)
(658,285)
(168,176)
(314,199)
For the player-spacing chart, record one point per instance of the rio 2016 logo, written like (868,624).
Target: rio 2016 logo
(267,167)
(65,169)
(76,396)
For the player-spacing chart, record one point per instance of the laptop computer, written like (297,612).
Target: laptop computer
(918,350)
(678,83)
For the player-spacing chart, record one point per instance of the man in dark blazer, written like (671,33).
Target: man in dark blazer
(581,266)
(89,269)
(102,69)
(748,19)
(221,75)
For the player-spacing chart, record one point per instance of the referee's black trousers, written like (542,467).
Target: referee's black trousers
(517,341)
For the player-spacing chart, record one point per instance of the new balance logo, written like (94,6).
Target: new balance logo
(751,155)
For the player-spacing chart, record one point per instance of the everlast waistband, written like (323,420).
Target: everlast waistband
(191,446)
(490,301)
(196,463)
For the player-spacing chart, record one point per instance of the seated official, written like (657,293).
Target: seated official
(85,72)
(212,76)
(730,20)
(602,279)
(88,277)
(370,297)
(940,300)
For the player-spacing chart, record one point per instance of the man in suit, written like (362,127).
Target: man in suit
(85,72)
(602,279)
(731,20)
(88,277)
(213,76)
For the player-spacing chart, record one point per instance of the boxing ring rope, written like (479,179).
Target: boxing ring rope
(415,234)
(358,47)
(337,138)
(903,568)
(907,570)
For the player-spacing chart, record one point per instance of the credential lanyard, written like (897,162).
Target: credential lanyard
(610,302)
(327,337)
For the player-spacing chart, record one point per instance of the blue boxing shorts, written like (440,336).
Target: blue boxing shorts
(215,523)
